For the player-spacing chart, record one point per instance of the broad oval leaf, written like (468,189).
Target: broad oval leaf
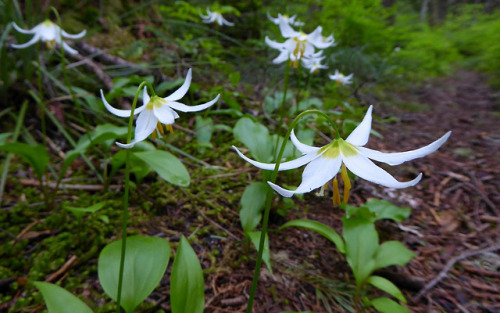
(80,212)
(166,165)
(392,253)
(146,259)
(59,300)
(252,204)
(255,137)
(386,305)
(383,209)
(37,156)
(321,229)
(387,286)
(266,254)
(187,291)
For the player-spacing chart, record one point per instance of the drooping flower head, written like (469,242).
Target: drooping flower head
(156,111)
(215,17)
(49,33)
(299,44)
(288,19)
(324,163)
(313,62)
(341,79)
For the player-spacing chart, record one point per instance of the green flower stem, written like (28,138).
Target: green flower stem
(282,108)
(299,88)
(40,96)
(17,129)
(269,197)
(126,193)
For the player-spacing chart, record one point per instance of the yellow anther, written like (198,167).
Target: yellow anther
(339,82)
(336,195)
(160,128)
(347,183)
(51,44)
(169,128)
(154,135)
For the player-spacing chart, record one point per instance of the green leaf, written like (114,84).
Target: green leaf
(187,293)
(204,129)
(266,254)
(166,165)
(59,300)
(311,102)
(383,209)
(255,137)
(387,305)
(252,204)
(392,253)
(387,286)
(4,137)
(321,229)
(37,156)
(100,134)
(146,259)
(361,241)
(80,212)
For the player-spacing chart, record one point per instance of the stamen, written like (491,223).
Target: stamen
(169,128)
(160,128)
(347,183)
(154,135)
(336,195)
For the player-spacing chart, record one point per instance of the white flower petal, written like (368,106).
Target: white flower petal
(165,114)
(27,44)
(226,22)
(73,36)
(400,157)
(361,166)
(316,174)
(286,30)
(301,146)
(68,49)
(191,108)
(360,135)
(282,57)
(117,112)
(145,125)
(179,93)
(25,31)
(273,44)
(145,96)
(283,166)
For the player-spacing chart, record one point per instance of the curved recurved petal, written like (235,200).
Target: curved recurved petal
(274,44)
(226,22)
(287,30)
(301,146)
(282,57)
(316,174)
(359,136)
(191,108)
(179,93)
(400,157)
(68,49)
(145,125)
(145,96)
(117,112)
(361,166)
(165,114)
(283,166)
(73,36)
(27,44)
(25,31)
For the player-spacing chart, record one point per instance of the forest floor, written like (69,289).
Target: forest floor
(453,227)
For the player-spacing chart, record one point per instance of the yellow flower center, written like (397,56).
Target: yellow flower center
(301,45)
(332,150)
(155,101)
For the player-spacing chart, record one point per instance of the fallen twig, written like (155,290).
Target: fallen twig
(63,269)
(218,225)
(449,265)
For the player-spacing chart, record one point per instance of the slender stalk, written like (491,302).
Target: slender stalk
(126,195)
(269,199)
(299,88)
(282,108)
(40,96)
(17,129)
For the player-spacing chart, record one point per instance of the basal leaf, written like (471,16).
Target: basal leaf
(146,259)
(252,204)
(59,300)
(166,165)
(321,229)
(255,137)
(37,156)
(80,212)
(383,209)
(392,253)
(387,286)
(266,254)
(386,305)
(187,292)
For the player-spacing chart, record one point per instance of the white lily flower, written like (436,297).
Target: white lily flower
(341,79)
(216,17)
(49,33)
(156,111)
(299,45)
(288,19)
(313,62)
(324,163)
